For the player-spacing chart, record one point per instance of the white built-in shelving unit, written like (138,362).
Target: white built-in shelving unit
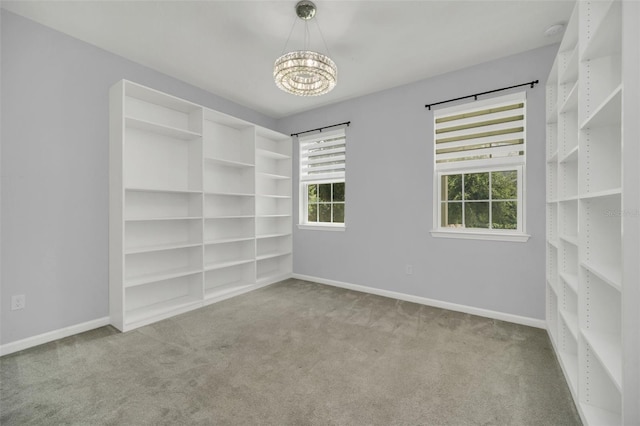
(200,206)
(592,210)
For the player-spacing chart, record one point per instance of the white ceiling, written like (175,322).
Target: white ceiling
(228,47)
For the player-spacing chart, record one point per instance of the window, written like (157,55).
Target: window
(322,179)
(480,155)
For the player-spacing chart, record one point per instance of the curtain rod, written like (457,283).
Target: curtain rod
(321,128)
(475,96)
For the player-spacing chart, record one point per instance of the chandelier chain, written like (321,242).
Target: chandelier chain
(326,47)
(284,49)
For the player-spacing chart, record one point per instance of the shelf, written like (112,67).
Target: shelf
(227,264)
(571,103)
(259,237)
(273,215)
(229,163)
(272,255)
(570,239)
(227,240)
(172,132)
(553,158)
(273,196)
(161,276)
(273,175)
(170,191)
(608,274)
(608,113)
(572,282)
(272,276)
(598,416)
(160,247)
(147,312)
(156,219)
(229,194)
(226,289)
(602,194)
(571,321)
(571,156)
(272,154)
(570,198)
(240,216)
(608,349)
(553,243)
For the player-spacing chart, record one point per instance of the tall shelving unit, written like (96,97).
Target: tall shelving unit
(229,206)
(273,205)
(191,221)
(591,151)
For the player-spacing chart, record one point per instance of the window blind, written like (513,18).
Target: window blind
(488,132)
(322,156)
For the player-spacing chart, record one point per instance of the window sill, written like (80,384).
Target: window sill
(475,235)
(322,227)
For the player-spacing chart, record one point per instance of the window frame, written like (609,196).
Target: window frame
(304,207)
(480,166)
(517,234)
(303,202)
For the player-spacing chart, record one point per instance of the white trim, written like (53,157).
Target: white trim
(516,319)
(50,336)
(471,235)
(309,227)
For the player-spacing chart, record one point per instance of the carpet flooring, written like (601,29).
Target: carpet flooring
(293,353)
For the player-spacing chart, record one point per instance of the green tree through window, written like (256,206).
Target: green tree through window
(486,200)
(325,202)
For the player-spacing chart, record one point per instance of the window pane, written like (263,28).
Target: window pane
(324,192)
(451,215)
(338,191)
(476,187)
(504,185)
(338,213)
(504,214)
(312,216)
(312,191)
(452,187)
(476,215)
(325,212)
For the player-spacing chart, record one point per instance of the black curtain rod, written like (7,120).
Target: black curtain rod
(321,128)
(475,97)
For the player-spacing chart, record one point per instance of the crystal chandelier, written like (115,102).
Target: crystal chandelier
(305,72)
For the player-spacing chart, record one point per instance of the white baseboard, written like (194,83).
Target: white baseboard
(50,336)
(531,322)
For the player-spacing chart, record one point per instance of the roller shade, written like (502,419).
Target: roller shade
(487,132)
(322,156)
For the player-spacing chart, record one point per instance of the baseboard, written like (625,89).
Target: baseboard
(516,319)
(50,336)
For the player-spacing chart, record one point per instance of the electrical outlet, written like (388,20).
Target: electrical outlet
(408,269)
(18,301)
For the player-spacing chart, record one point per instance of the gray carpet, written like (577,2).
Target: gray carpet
(294,353)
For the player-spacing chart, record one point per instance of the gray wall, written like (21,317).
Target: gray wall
(54,187)
(389,197)
(54,164)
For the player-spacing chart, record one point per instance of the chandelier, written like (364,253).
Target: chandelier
(305,72)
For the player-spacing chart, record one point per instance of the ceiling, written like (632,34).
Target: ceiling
(228,47)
